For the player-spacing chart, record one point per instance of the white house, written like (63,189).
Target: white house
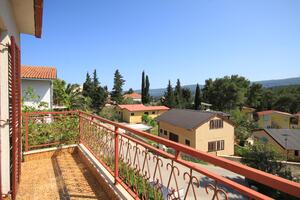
(37,86)
(16,17)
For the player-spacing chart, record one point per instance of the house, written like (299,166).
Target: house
(273,119)
(39,80)
(285,141)
(16,17)
(132,113)
(136,97)
(202,130)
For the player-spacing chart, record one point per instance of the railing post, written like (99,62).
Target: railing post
(79,127)
(116,154)
(26,131)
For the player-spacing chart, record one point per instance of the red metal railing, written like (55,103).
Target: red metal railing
(47,129)
(150,173)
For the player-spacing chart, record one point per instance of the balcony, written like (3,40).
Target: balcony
(76,155)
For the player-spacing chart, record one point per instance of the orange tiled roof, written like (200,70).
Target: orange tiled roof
(38,72)
(267,112)
(141,107)
(133,96)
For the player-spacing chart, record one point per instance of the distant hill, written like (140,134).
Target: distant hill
(267,84)
(280,82)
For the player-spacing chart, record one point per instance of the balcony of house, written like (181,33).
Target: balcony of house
(77,155)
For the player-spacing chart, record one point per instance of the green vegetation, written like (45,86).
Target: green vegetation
(145,89)
(110,113)
(93,90)
(265,158)
(197,101)
(148,120)
(239,150)
(117,91)
(243,126)
(49,130)
(69,95)
(30,95)
(169,99)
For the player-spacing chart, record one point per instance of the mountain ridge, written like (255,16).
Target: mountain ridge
(265,83)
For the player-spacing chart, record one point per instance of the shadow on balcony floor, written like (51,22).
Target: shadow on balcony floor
(62,176)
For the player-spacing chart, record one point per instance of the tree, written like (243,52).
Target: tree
(59,92)
(186,98)
(146,91)
(178,94)
(143,87)
(255,95)
(243,126)
(197,101)
(130,91)
(116,94)
(87,86)
(169,99)
(226,93)
(75,99)
(264,157)
(93,90)
(69,95)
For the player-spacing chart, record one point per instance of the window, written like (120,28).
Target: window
(215,124)
(146,113)
(153,112)
(296,153)
(132,114)
(173,137)
(216,145)
(165,132)
(187,142)
(160,130)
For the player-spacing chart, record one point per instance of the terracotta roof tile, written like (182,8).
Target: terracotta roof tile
(133,96)
(38,72)
(141,107)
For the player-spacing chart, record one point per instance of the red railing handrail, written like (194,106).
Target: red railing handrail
(276,182)
(284,185)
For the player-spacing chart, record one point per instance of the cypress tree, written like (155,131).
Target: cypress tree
(143,87)
(116,94)
(146,90)
(169,96)
(197,98)
(178,94)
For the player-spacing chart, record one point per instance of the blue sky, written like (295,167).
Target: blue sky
(188,39)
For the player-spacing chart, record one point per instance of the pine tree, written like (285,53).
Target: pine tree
(143,87)
(116,94)
(178,94)
(98,94)
(197,98)
(87,86)
(169,96)
(146,91)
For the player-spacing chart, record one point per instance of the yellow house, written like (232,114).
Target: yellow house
(132,113)
(273,119)
(285,141)
(202,130)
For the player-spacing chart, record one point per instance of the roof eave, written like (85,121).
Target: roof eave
(38,17)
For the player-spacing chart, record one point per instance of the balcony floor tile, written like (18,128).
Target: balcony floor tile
(60,177)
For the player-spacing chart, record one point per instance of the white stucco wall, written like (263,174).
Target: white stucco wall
(8,28)
(42,90)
